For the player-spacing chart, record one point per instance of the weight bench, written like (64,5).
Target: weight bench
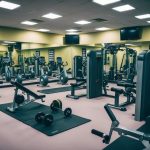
(80,82)
(116,104)
(128,92)
(19,100)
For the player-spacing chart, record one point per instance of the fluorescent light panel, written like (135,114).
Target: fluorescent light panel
(8,5)
(43,30)
(4,44)
(82,22)
(123,8)
(71,30)
(9,42)
(52,16)
(105,2)
(148,21)
(102,29)
(30,23)
(72,33)
(144,16)
(132,45)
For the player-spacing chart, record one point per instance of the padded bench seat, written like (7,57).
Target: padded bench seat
(21,87)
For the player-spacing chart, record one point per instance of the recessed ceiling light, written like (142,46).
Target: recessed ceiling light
(102,29)
(71,30)
(72,33)
(145,16)
(52,16)
(30,23)
(148,21)
(43,30)
(4,44)
(9,42)
(129,44)
(105,2)
(123,8)
(82,22)
(8,5)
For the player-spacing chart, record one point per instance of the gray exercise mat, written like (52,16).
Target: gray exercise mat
(27,114)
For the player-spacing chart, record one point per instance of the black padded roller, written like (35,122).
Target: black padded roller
(98,133)
(120,91)
(125,84)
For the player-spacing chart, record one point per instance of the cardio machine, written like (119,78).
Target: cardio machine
(29,72)
(7,69)
(62,72)
(43,68)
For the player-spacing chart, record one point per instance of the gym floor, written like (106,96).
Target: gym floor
(15,135)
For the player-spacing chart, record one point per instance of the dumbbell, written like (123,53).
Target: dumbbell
(47,119)
(56,105)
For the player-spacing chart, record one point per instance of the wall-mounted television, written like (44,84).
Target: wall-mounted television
(72,39)
(130,33)
(17,46)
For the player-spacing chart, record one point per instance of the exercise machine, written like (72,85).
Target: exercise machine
(29,72)
(62,72)
(79,75)
(78,67)
(130,62)
(43,69)
(143,86)
(129,92)
(94,74)
(94,79)
(122,131)
(7,68)
(112,49)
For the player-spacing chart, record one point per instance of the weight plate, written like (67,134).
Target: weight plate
(60,103)
(55,105)
(48,120)
(44,80)
(19,99)
(67,112)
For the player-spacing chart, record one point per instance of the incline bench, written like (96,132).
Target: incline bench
(19,100)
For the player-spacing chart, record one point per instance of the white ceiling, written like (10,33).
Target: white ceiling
(73,10)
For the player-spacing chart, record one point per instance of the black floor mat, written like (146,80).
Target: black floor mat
(125,143)
(27,113)
(57,90)
(146,127)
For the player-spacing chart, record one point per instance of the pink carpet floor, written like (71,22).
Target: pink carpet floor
(14,135)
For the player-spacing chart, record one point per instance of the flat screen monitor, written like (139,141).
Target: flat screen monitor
(130,33)
(71,39)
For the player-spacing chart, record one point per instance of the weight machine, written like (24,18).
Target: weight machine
(122,131)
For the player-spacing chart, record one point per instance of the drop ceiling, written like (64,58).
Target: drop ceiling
(72,11)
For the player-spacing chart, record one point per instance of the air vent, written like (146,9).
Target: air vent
(77,28)
(36,20)
(98,20)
